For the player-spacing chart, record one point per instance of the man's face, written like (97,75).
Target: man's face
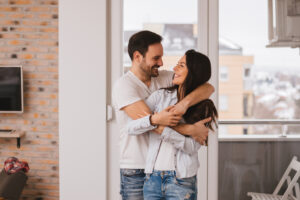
(152,60)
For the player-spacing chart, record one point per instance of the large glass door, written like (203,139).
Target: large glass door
(259,90)
(182,28)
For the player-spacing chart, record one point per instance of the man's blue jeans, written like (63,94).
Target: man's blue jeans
(132,182)
(164,185)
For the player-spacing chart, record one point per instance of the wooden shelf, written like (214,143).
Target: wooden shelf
(13,134)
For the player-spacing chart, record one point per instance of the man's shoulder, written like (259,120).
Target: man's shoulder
(165,73)
(124,81)
(124,78)
(164,79)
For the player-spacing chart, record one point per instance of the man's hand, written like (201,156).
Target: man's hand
(165,118)
(199,131)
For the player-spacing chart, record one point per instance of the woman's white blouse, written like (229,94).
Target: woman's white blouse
(186,149)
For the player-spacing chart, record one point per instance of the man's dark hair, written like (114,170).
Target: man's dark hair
(200,111)
(140,42)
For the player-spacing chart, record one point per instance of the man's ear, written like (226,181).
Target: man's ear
(137,56)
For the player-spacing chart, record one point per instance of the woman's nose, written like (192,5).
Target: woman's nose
(175,68)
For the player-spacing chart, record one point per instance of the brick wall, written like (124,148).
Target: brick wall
(29,37)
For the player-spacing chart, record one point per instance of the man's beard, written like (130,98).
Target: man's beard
(154,71)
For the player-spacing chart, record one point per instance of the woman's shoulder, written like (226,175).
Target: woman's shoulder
(167,92)
(159,93)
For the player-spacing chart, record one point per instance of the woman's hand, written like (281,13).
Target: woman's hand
(180,108)
(165,117)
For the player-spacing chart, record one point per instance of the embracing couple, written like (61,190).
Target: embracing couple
(164,118)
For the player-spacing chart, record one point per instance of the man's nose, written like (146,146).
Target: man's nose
(160,62)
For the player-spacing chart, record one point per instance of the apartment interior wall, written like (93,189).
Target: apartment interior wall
(29,37)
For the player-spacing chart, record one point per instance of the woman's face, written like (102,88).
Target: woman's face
(180,71)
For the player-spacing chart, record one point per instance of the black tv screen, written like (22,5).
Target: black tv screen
(11,89)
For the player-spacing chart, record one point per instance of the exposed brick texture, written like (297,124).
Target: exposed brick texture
(29,37)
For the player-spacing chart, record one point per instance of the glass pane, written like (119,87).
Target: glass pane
(259,82)
(253,166)
(176,24)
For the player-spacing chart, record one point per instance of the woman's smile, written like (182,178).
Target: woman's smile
(180,71)
(176,76)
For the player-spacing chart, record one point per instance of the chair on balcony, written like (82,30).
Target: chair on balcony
(292,184)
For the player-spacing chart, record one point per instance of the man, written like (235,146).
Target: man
(146,51)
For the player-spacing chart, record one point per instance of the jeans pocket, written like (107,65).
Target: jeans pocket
(132,172)
(187,182)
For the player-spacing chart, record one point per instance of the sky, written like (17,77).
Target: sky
(242,22)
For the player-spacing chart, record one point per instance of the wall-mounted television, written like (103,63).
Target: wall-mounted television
(11,89)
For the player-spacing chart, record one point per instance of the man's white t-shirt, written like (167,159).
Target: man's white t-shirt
(128,90)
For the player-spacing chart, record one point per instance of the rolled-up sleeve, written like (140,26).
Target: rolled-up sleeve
(142,125)
(139,126)
(181,142)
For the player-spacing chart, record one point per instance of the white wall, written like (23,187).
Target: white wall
(82,99)
(115,69)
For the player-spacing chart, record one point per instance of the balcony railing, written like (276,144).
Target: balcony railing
(267,137)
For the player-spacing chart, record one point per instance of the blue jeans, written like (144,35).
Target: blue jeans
(132,182)
(164,185)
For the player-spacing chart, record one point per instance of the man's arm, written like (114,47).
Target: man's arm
(137,110)
(198,131)
(202,92)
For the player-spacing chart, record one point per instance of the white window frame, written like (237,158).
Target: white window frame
(207,36)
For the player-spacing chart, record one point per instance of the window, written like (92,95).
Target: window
(223,73)
(264,82)
(245,106)
(223,130)
(223,104)
(178,28)
(246,71)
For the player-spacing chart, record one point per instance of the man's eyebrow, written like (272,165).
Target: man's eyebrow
(181,63)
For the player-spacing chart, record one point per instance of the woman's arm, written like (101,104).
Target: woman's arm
(139,126)
(149,122)
(183,143)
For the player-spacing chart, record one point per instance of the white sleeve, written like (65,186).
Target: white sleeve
(142,125)
(154,99)
(125,94)
(181,142)
(139,126)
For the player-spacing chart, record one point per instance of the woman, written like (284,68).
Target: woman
(172,160)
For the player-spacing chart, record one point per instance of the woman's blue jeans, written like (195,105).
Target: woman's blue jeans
(164,185)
